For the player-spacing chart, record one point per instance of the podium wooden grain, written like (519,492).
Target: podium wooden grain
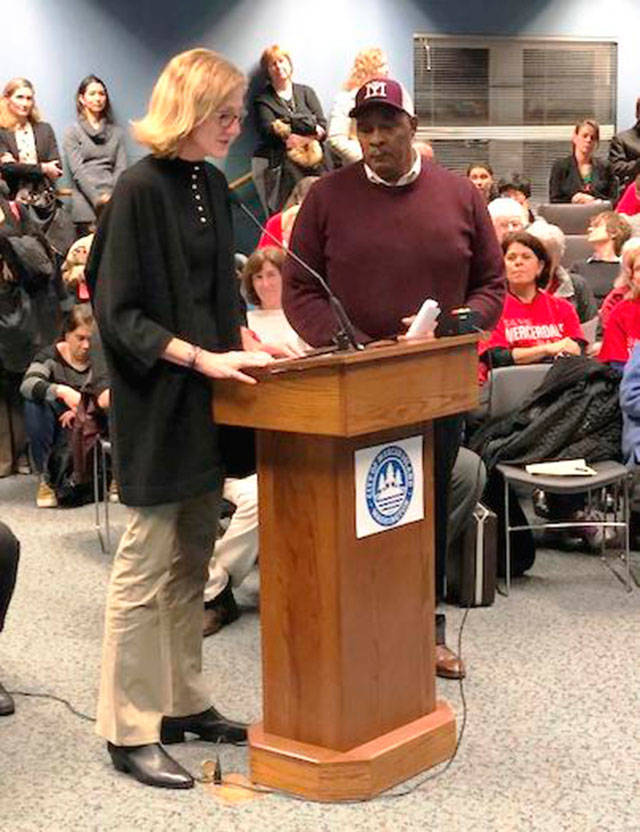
(348,637)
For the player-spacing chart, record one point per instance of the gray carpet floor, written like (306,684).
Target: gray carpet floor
(552,740)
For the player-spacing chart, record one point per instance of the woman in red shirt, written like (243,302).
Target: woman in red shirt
(534,326)
(622,331)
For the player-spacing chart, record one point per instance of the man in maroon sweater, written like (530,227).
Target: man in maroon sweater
(386,233)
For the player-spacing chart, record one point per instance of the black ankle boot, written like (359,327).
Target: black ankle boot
(209,725)
(150,764)
(7,705)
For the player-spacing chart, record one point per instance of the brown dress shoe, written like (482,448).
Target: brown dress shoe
(448,665)
(220,611)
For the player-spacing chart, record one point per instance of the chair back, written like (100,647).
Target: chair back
(572,219)
(576,248)
(510,386)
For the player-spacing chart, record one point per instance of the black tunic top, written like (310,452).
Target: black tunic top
(162,266)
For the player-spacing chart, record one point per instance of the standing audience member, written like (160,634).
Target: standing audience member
(52,388)
(292,128)
(94,147)
(624,152)
(9,557)
(30,163)
(24,138)
(73,269)
(169,322)
(481,175)
(369,63)
(622,327)
(607,233)
(562,284)
(507,215)
(582,177)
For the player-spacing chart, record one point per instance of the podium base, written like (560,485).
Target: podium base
(362,772)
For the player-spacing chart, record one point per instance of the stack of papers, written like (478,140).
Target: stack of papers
(561,468)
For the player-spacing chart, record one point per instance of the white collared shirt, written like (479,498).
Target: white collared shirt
(410,176)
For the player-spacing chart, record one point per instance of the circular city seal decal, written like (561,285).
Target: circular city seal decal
(389,485)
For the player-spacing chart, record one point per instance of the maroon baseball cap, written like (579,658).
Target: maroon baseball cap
(383,91)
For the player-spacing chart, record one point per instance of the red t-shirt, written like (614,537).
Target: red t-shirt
(545,320)
(630,202)
(622,332)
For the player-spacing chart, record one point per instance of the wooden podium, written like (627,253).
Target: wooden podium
(348,643)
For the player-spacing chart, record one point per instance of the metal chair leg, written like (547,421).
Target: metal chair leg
(507,536)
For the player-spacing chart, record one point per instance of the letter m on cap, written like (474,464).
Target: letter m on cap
(376,89)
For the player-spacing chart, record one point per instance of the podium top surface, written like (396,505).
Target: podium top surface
(359,392)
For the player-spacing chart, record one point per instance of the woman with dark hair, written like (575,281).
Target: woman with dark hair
(292,127)
(94,147)
(481,175)
(162,275)
(534,326)
(52,388)
(582,177)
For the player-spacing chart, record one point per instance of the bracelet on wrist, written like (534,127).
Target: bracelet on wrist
(195,354)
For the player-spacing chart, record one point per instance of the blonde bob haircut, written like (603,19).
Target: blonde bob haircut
(271,54)
(366,65)
(630,253)
(190,88)
(7,120)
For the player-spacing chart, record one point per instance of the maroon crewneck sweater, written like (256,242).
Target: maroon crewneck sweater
(385,250)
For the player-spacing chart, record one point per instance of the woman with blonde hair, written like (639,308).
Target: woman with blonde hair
(625,286)
(292,128)
(167,305)
(368,63)
(25,139)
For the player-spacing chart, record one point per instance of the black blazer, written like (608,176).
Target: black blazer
(624,154)
(46,145)
(565,181)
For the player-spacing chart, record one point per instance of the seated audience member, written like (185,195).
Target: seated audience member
(52,387)
(534,326)
(280,225)
(507,216)
(73,269)
(622,329)
(341,138)
(424,149)
(562,284)
(607,233)
(481,174)
(31,300)
(629,204)
(581,176)
(262,284)
(622,282)
(519,188)
(9,557)
(624,152)
(630,407)
(292,128)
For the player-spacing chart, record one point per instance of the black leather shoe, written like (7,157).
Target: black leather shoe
(7,705)
(219,612)
(150,764)
(209,725)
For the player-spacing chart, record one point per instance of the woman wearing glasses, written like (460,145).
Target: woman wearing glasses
(167,306)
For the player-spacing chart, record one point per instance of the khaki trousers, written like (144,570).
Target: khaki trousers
(152,650)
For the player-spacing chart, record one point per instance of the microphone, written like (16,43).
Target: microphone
(345,338)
